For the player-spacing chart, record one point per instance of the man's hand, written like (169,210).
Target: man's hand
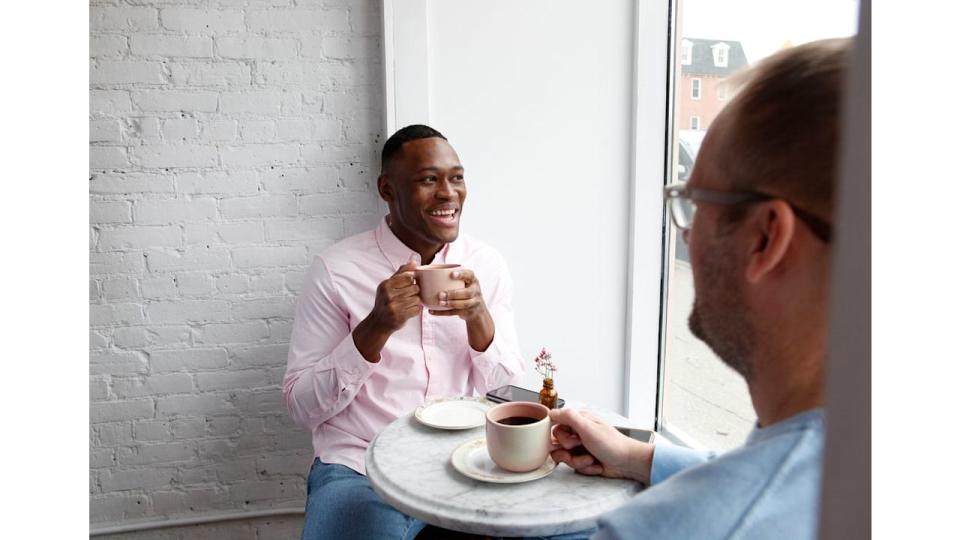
(593,447)
(396,302)
(467,303)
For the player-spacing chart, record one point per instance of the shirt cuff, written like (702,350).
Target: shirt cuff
(669,459)
(352,368)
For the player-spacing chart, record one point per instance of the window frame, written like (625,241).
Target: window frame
(697,119)
(656,74)
(696,88)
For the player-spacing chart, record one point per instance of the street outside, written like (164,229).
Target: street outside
(702,396)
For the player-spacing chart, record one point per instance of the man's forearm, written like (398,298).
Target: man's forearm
(480,331)
(370,340)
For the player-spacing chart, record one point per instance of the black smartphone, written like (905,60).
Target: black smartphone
(642,435)
(515,393)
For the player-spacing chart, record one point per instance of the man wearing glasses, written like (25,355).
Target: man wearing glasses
(756,215)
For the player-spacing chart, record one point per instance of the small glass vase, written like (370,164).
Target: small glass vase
(548,396)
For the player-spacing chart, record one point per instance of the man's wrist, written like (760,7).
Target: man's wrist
(480,331)
(369,338)
(641,461)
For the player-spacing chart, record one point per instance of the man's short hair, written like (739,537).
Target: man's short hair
(785,125)
(404,135)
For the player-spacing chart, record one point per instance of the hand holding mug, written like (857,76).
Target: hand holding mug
(397,299)
(593,447)
(467,302)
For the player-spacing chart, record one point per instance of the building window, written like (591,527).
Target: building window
(694,122)
(695,89)
(722,91)
(721,53)
(686,52)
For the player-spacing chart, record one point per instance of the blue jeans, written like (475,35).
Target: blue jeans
(342,505)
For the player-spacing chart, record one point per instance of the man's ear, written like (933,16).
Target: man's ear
(774,225)
(385,188)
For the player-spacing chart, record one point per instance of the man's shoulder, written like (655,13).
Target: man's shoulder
(475,248)
(753,488)
(350,248)
(355,253)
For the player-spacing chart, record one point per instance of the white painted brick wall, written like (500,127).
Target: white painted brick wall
(230,140)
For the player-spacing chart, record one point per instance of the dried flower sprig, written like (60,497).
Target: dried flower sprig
(544,363)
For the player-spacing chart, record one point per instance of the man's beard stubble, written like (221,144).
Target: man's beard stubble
(719,316)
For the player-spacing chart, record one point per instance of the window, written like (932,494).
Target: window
(722,91)
(703,402)
(720,53)
(686,52)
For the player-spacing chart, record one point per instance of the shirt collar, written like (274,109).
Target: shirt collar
(809,419)
(399,254)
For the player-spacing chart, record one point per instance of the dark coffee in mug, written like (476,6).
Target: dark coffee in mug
(517,420)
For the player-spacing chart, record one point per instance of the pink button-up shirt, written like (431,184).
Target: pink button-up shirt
(344,400)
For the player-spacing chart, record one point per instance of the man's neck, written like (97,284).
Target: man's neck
(786,383)
(426,251)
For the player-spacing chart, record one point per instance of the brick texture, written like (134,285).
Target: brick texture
(229,141)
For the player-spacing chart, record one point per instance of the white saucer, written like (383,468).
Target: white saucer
(472,459)
(454,413)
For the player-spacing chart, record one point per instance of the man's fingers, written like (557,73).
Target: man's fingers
(464,274)
(461,304)
(574,419)
(411,310)
(404,294)
(402,280)
(566,437)
(560,456)
(591,470)
(444,312)
(584,463)
(460,294)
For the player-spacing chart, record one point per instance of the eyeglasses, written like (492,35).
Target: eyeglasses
(682,200)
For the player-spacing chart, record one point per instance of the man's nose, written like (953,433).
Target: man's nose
(445,189)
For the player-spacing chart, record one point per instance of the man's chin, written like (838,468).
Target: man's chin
(447,236)
(695,324)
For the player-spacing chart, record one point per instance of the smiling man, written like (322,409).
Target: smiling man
(364,352)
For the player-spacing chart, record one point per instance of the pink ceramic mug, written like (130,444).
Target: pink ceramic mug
(434,279)
(518,435)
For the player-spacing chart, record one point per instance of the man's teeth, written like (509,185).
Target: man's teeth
(443,213)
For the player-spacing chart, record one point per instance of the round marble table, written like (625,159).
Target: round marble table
(409,466)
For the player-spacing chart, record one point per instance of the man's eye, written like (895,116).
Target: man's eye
(458,179)
(429,179)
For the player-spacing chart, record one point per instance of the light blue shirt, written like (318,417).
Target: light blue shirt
(768,488)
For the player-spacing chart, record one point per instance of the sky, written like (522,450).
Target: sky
(762,26)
